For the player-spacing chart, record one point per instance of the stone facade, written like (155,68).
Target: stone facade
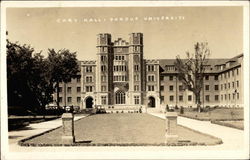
(121,78)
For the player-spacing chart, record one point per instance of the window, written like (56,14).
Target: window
(103,88)
(104,99)
(136,67)
(216,87)
(238,96)
(60,89)
(88,68)
(206,77)
(228,73)
(162,98)
(221,97)
(233,95)
(181,98)
(151,68)
(78,99)
(225,75)
(225,97)
(221,86)
(207,87)
(237,71)
(237,83)
(103,58)
(137,77)
(171,88)
(232,72)
(207,98)
(228,96)
(103,78)
(136,87)
(69,99)
(78,80)
(60,100)
(88,79)
(180,88)
(120,97)
(151,88)
(162,88)
(161,78)
(233,84)
(137,99)
(78,89)
(171,98)
(88,88)
(216,77)
(225,86)
(151,78)
(189,97)
(216,97)
(228,85)
(103,68)
(69,90)
(171,78)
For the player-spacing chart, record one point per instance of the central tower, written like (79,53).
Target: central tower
(136,68)
(104,70)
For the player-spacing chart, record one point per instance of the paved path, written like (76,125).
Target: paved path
(34,129)
(232,138)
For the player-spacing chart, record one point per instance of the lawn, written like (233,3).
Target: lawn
(216,114)
(123,129)
(233,124)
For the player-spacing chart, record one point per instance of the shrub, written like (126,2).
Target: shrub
(182,110)
(176,107)
(167,108)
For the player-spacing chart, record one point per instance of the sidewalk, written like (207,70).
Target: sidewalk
(233,139)
(34,129)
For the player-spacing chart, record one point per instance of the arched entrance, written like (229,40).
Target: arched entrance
(151,102)
(89,102)
(120,97)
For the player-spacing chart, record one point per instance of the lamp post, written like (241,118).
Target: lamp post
(235,93)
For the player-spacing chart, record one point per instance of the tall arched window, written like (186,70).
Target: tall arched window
(120,97)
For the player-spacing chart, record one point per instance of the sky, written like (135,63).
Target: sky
(75,29)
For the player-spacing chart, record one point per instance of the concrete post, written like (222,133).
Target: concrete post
(171,127)
(68,128)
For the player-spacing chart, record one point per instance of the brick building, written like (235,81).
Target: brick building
(121,78)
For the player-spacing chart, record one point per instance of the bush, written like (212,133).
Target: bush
(167,108)
(182,110)
(176,107)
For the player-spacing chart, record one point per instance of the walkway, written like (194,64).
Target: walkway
(233,139)
(34,129)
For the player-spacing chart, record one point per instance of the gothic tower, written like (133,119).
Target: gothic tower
(104,69)
(136,68)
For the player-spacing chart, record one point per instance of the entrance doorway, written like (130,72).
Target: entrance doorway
(89,102)
(151,102)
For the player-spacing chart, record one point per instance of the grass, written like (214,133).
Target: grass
(216,114)
(233,124)
(121,129)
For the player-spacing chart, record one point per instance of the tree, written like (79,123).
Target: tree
(191,70)
(63,67)
(27,82)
